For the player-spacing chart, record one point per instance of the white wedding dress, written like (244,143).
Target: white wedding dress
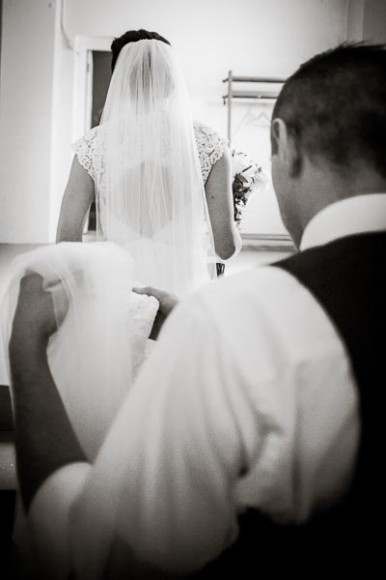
(210,148)
(149,165)
(103,329)
(149,161)
(98,349)
(149,168)
(157,255)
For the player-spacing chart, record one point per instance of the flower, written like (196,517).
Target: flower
(247,178)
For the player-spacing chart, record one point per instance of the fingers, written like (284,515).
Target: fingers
(34,315)
(166,301)
(34,283)
(31,282)
(149,291)
(61,301)
(161,295)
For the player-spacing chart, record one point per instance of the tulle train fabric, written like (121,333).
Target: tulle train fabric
(155,218)
(101,342)
(152,198)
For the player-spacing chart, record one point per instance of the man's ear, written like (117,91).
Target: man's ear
(284,145)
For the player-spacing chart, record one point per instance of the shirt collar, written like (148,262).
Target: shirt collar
(353,215)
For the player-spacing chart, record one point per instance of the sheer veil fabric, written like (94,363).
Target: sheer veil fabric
(155,203)
(94,356)
(103,329)
(153,228)
(154,216)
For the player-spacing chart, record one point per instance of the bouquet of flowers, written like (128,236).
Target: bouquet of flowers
(247,178)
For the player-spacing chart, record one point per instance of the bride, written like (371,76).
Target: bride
(146,165)
(153,228)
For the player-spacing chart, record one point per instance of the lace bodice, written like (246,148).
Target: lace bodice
(210,148)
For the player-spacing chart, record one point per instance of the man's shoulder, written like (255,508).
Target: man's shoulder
(266,310)
(262,287)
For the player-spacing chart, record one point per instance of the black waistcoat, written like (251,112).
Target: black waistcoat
(348,279)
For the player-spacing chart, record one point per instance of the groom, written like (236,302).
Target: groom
(261,405)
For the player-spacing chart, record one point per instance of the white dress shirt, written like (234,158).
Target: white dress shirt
(247,400)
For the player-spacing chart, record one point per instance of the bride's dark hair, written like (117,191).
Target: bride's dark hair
(132,36)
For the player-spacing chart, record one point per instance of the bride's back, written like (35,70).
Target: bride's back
(154,202)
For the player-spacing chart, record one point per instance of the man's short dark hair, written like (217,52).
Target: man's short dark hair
(335,106)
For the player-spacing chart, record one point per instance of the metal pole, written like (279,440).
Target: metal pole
(229,106)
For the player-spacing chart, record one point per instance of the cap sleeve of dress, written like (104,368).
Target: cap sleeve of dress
(210,147)
(85,150)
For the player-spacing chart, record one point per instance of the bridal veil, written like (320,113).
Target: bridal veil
(155,218)
(103,329)
(154,202)
(155,211)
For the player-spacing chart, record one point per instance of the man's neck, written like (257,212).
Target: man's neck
(323,185)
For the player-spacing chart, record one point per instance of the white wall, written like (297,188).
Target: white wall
(250,37)
(62,120)
(25,119)
(367,20)
(374,21)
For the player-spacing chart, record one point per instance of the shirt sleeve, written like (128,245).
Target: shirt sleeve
(174,454)
(242,402)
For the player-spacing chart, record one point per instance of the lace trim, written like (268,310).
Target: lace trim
(210,147)
(90,151)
